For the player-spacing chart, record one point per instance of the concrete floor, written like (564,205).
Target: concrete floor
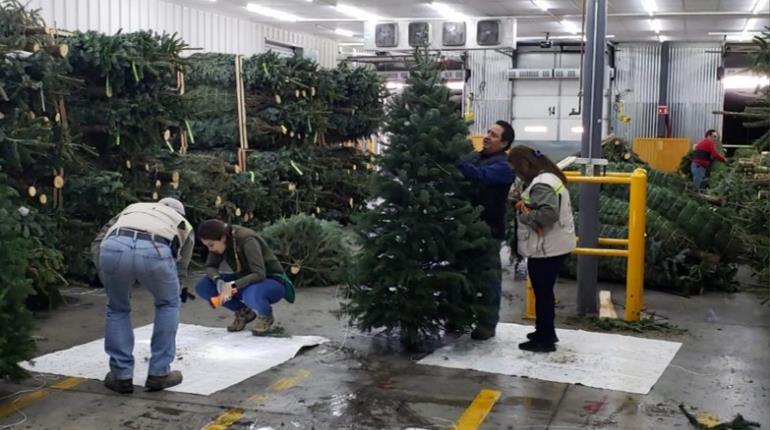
(363,381)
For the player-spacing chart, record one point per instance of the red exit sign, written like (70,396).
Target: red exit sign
(662,110)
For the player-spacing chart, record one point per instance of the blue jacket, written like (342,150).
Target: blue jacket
(493,176)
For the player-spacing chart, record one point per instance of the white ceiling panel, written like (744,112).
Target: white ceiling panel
(681,20)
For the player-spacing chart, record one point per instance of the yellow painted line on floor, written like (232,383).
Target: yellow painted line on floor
(290,381)
(12,406)
(478,410)
(225,419)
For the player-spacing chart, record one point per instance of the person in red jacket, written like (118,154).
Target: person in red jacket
(705,153)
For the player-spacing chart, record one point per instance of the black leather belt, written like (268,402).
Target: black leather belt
(138,234)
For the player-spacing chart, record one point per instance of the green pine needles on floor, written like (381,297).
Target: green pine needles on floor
(426,254)
(644,325)
(738,423)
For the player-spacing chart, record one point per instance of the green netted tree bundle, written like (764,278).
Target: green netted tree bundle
(742,188)
(130,95)
(210,90)
(284,102)
(355,103)
(341,181)
(427,257)
(209,188)
(673,262)
(211,69)
(33,142)
(313,252)
(329,182)
(16,344)
(615,149)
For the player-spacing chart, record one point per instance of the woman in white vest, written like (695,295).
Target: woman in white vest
(545,234)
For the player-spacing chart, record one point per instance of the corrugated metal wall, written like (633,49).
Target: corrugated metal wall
(694,92)
(491,88)
(693,89)
(199,28)
(637,82)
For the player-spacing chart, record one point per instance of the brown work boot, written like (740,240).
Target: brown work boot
(155,383)
(122,386)
(262,325)
(242,317)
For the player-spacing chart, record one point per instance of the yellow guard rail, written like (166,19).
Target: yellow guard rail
(634,252)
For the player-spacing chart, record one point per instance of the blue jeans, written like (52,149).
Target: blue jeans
(258,296)
(698,175)
(125,261)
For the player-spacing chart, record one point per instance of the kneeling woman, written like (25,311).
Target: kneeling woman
(545,235)
(258,281)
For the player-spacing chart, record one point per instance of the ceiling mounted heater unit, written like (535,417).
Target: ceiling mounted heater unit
(386,35)
(453,34)
(419,34)
(472,33)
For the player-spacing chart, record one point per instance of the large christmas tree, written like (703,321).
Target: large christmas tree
(426,257)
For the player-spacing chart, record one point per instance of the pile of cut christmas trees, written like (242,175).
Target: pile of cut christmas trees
(692,244)
(90,123)
(298,153)
(125,110)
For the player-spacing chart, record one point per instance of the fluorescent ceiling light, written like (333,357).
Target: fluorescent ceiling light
(447,11)
(540,4)
(569,26)
(740,37)
(350,44)
(744,82)
(271,13)
(563,37)
(343,32)
(577,130)
(455,85)
(758,7)
(655,24)
(750,23)
(650,7)
(394,85)
(536,129)
(355,12)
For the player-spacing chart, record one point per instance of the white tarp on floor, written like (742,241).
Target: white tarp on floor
(210,358)
(610,361)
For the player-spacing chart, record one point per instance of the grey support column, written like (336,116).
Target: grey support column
(665,49)
(593,89)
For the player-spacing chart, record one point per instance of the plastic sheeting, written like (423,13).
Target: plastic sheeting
(201,352)
(609,361)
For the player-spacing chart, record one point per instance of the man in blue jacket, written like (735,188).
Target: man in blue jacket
(490,172)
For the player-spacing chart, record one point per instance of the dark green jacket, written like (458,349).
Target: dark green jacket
(248,255)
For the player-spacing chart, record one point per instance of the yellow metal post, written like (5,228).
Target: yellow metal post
(529,312)
(636,228)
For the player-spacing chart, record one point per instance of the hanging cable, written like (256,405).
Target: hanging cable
(579,110)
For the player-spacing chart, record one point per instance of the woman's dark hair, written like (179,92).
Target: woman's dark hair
(710,132)
(212,229)
(528,163)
